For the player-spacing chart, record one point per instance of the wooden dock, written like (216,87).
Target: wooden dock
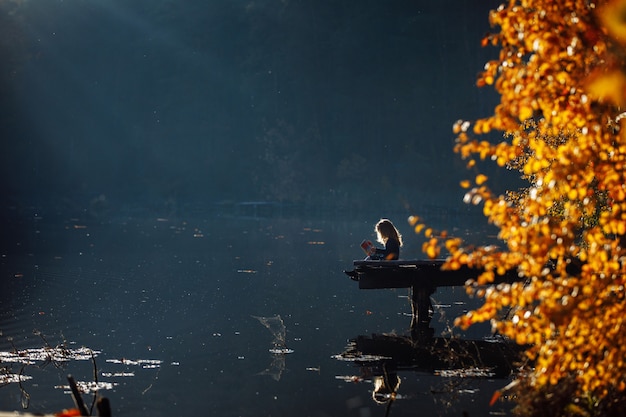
(423,277)
(421,274)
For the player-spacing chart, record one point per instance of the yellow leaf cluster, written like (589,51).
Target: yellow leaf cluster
(561,77)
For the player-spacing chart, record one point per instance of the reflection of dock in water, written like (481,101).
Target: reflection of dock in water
(489,358)
(381,356)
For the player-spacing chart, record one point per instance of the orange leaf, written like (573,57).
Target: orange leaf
(494,398)
(480,179)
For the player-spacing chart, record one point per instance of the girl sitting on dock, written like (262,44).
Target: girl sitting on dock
(387,235)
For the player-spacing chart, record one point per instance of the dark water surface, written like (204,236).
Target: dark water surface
(160,104)
(169,306)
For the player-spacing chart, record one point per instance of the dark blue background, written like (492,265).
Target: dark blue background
(166,103)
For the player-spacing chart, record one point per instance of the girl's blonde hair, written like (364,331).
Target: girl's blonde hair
(385,230)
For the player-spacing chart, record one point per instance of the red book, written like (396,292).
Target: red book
(368,247)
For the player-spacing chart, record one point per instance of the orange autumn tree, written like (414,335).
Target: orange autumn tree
(561,79)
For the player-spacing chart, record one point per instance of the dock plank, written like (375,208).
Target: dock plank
(417,274)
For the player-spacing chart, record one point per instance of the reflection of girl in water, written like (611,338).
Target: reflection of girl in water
(385,388)
(387,235)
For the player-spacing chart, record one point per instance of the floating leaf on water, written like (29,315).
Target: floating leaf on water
(144,363)
(360,358)
(13,378)
(88,387)
(350,378)
(281,351)
(465,373)
(48,354)
(117,374)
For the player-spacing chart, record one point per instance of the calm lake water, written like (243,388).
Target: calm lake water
(169,307)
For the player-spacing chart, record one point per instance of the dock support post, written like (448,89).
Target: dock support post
(421,307)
